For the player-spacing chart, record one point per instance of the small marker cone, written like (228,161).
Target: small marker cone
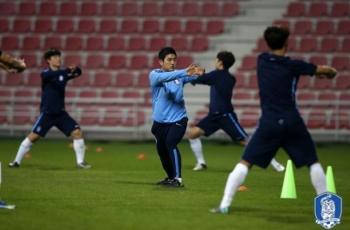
(330,180)
(288,188)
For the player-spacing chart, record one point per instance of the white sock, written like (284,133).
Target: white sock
(196,146)
(275,164)
(79,148)
(318,178)
(234,180)
(23,149)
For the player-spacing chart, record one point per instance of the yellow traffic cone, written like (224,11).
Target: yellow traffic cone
(330,180)
(288,188)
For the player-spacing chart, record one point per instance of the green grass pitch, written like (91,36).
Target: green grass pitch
(119,191)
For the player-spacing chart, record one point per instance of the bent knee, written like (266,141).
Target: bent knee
(77,133)
(194,132)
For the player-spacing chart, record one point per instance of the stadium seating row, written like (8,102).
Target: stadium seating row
(122,8)
(98,25)
(318,9)
(193,43)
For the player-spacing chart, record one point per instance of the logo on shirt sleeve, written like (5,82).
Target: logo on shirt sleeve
(60,78)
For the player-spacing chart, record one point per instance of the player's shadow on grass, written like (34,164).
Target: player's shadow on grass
(133,182)
(274,215)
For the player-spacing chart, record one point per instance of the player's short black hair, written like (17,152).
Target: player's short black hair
(227,58)
(51,52)
(276,37)
(165,51)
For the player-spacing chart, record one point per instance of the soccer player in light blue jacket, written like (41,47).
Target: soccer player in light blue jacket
(169,112)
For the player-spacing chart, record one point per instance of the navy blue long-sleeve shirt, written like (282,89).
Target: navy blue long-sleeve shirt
(53,86)
(278,77)
(221,84)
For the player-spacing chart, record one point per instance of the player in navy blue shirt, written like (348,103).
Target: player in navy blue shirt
(221,113)
(280,125)
(169,113)
(53,113)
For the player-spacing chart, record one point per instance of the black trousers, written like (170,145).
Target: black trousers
(168,135)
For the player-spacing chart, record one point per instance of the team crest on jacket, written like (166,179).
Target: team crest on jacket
(328,209)
(177,82)
(60,78)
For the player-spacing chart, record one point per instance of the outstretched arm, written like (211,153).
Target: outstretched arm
(323,71)
(157,77)
(12,64)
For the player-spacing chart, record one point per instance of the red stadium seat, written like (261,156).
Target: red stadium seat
(303,27)
(53,42)
(306,96)
(340,9)
(135,118)
(190,9)
(8,8)
(95,61)
(4,25)
(89,117)
(43,26)
(323,84)
(110,8)
(172,26)
(296,9)
(341,62)
(283,23)
(329,45)
(108,26)
(242,95)
(112,117)
(21,26)
(345,45)
(86,26)
(23,93)
(325,27)
(116,43)
(68,9)
(129,26)
(88,9)
(308,44)
(215,27)
(83,81)
(95,43)
(304,82)
(73,60)
(150,26)
(34,79)
(199,44)
(131,94)
(253,81)
(111,94)
(117,62)
(74,43)
(292,43)
(229,9)
(344,27)
(210,9)
(193,27)
(88,94)
(342,82)
(143,80)
(27,8)
(249,118)
(318,9)
(31,43)
(48,8)
(180,43)
(124,79)
(328,97)
(10,42)
(14,80)
(156,43)
(248,63)
(129,8)
(316,120)
(65,26)
(137,43)
(150,9)
(183,61)
(170,8)
(103,79)
(319,60)
(22,115)
(139,62)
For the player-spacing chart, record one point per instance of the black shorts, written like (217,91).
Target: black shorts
(289,133)
(62,121)
(227,122)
